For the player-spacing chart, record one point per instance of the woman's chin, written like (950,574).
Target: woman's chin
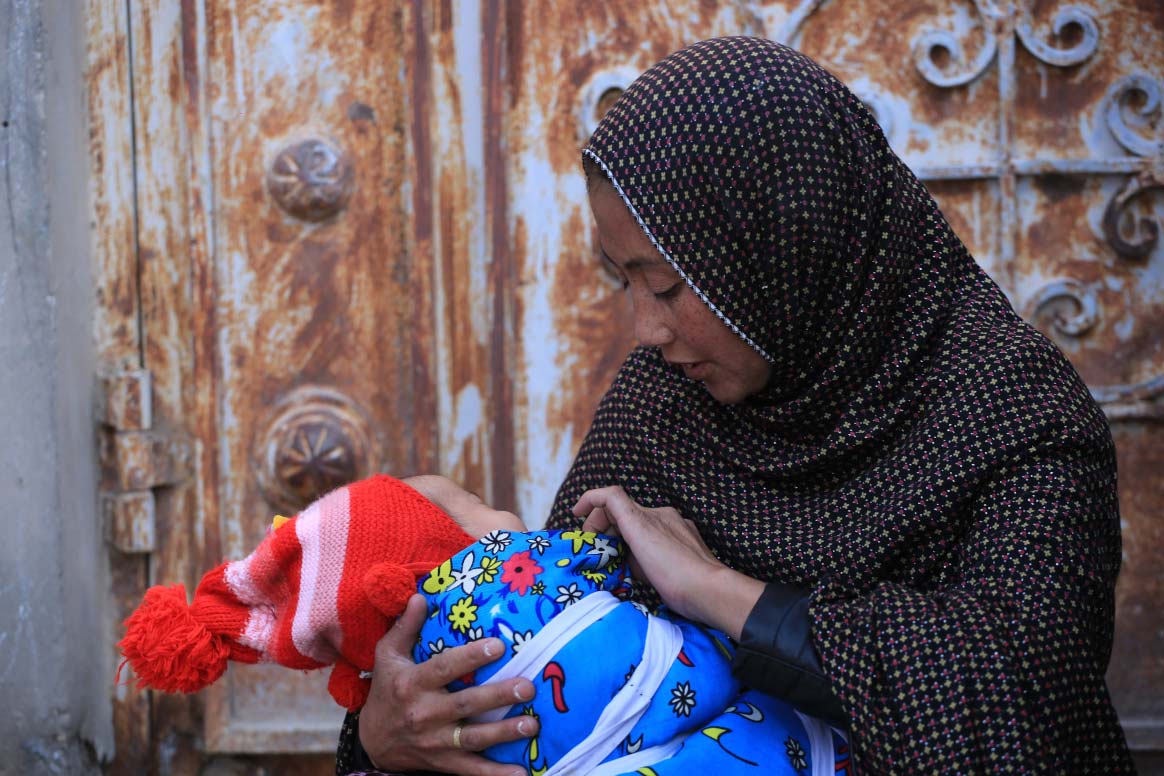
(724,393)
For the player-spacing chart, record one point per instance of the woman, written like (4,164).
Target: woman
(837,442)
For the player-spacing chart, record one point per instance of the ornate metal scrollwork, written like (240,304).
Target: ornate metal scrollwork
(1137,393)
(1147,231)
(312,180)
(790,30)
(1053,298)
(315,440)
(1066,16)
(928,46)
(1118,98)
(1138,401)
(1073,310)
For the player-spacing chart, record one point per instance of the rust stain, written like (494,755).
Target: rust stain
(1060,208)
(1050,101)
(285,302)
(423,406)
(358,111)
(589,308)
(116,331)
(131,709)
(502,277)
(110,152)
(971,208)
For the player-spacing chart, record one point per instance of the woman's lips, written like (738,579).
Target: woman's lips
(697,370)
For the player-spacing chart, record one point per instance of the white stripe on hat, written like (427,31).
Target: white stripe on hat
(323,536)
(242,584)
(260,627)
(259,631)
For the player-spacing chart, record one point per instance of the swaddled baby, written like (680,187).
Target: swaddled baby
(619,689)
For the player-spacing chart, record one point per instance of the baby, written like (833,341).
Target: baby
(620,690)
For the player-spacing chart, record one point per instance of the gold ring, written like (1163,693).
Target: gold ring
(457,735)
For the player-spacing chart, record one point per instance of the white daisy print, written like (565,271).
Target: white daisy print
(466,578)
(682,699)
(605,550)
(539,544)
(795,752)
(519,640)
(436,647)
(496,541)
(568,595)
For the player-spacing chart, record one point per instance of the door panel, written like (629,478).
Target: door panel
(314,314)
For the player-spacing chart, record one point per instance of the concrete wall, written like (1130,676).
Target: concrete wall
(55,663)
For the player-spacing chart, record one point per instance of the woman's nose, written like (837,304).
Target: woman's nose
(652,329)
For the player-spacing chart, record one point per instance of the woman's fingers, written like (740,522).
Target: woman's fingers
(599,521)
(479,699)
(408,721)
(610,499)
(443,668)
(454,663)
(469,764)
(477,737)
(402,635)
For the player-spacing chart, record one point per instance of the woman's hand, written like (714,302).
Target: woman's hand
(410,721)
(669,552)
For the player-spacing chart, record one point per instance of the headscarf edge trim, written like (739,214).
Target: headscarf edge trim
(674,265)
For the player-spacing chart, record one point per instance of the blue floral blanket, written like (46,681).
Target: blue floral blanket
(620,690)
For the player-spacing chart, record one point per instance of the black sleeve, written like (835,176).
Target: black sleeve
(350,757)
(776,656)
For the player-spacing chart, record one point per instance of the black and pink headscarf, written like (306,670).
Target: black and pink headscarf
(931,467)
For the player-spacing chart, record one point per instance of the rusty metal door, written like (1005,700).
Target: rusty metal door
(345,237)
(295,230)
(260,271)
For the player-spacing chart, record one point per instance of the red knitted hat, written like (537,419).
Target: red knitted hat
(321,589)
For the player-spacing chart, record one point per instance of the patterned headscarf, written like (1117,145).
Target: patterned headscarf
(931,467)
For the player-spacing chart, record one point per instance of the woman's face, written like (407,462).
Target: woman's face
(667,313)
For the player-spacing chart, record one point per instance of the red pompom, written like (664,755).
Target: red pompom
(168,648)
(389,586)
(346,686)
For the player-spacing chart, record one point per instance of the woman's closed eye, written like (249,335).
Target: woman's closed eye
(670,292)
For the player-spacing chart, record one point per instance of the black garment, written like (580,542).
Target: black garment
(775,654)
(930,467)
(350,756)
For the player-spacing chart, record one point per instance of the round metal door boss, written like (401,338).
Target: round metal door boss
(311,180)
(315,440)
